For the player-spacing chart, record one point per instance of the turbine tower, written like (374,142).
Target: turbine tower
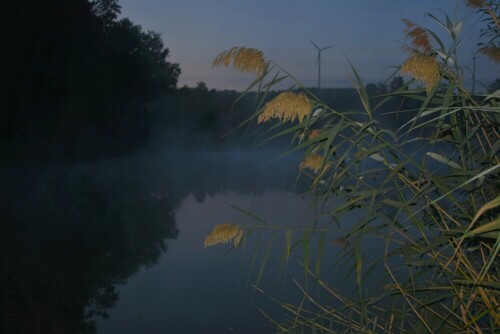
(318,59)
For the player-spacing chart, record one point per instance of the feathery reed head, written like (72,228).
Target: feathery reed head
(314,134)
(286,107)
(491,52)
(245,60)
(418,36)
(423,68)
(315,162)
(475,3)
(224,233)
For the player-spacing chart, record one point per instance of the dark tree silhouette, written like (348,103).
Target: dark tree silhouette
(396,82)
(494,86)
(106,10)
(78,79)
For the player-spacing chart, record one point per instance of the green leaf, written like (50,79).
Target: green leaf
(485,172)
(305,250)
(443,160)
(493,226)
(250,214)
(358,255)
(360,88)
(288,244)
(263,262)
(488,206)
(495,149)
(319,255)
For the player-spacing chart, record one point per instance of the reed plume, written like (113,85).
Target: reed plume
(314,134)
(286,107)
(475,3)
(423,68)
(245,60)
(418,36)
(315,163)
(491,52)
(224,233)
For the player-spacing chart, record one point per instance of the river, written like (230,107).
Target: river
(116,246)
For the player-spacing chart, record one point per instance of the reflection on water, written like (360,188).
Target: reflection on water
(74,236)
(67,240)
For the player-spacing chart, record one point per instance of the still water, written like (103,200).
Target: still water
(116,246)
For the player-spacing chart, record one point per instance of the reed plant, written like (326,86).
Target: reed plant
(428,192)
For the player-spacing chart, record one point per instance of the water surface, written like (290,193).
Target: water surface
(116,246)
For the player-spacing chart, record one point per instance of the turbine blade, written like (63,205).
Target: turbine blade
(317,47)
(328,47)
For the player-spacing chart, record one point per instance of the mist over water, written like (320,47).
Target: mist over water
(123,238)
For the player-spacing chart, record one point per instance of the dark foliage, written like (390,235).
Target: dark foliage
(198,116)
(78,80)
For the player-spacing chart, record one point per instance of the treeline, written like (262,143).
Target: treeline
(83,83)
(78,79)
(195,117)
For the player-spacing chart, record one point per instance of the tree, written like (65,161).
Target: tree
(78,79)
(494,86)
(371,89)
(139,60)
(201,87)
(106,10)
(396,83)
(381,88)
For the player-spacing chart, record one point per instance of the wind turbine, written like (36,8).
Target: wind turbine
(318,59)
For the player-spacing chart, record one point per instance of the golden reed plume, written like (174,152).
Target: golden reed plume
(224,233)
(475,3)
(286,107)
(245,60)
(420,65)
(313,134)
(423,68)
(315,163)
(491,52)
(418,36)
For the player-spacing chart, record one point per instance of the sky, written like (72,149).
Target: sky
(367,33)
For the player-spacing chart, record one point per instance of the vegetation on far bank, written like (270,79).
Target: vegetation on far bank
(84,83)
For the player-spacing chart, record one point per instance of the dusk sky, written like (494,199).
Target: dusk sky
(368,32)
